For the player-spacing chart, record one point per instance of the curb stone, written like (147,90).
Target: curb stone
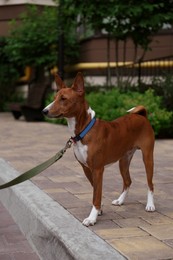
(51,230)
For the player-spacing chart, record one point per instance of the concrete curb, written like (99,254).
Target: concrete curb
(51,230)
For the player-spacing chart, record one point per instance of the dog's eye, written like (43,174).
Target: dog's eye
(63,98)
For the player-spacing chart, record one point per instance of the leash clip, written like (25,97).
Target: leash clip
(68,144)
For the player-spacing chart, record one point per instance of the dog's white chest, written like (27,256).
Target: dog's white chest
(81,152)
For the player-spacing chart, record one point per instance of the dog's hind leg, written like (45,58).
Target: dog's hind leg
(124,164)
(149,166)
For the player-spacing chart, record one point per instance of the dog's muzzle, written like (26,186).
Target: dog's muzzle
(45,111)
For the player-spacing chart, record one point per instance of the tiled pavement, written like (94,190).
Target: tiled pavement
(13,244)
(129,229)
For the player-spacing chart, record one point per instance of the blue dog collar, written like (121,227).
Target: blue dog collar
(85,131)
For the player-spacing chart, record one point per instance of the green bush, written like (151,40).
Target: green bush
(163,86)
(113,104)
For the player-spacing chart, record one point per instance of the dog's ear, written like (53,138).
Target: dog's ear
(59,83)
(78,84)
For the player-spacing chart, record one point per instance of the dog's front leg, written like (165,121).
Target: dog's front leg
(97,196)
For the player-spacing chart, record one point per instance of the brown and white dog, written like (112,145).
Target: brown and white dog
(105,142)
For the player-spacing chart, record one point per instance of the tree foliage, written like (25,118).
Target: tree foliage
(8,74)
(121,19)
(34,41)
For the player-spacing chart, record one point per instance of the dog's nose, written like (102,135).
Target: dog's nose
(45,111)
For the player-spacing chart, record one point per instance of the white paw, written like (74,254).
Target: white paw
(117,202)
(89,222)
(150,208)
(150,202)
(121,198)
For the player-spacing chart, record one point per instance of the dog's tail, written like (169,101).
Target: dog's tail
(141,110)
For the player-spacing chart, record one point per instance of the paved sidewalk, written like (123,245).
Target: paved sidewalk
(133,232)
(13,244)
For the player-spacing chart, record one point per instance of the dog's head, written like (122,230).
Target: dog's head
(68,101)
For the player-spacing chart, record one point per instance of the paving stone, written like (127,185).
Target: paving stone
(109,214)
(25,256)
(104,224)
(5,257)
(13,243)
(85,196)
(62,179)
(161,232)
(68,200)
(55,190)
(165,209)
(142,248)
(45,184)
(2,243)
(169,242)
(131,222)
(132,210)
(168,213)
(81,213)
(157,219)
(120,233)
(6,219)
(13,238)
